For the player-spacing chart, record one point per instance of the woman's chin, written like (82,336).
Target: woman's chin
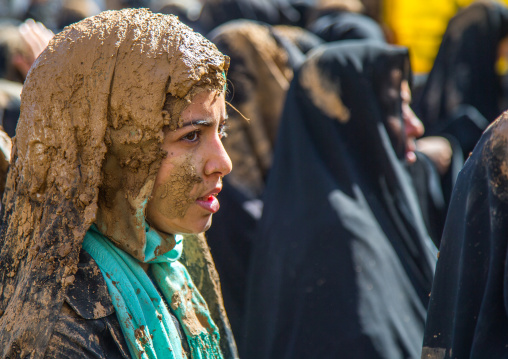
(206,225)
(194,221)
(410,157)
(192,226)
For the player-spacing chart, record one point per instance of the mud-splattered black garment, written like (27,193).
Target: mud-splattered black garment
(342,265)
(87,326)
(463,93)
(468,316)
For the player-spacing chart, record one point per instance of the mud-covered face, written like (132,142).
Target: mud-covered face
(190,177)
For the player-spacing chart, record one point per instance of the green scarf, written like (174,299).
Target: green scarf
(145,321)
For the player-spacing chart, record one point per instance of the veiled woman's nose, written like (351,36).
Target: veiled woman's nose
(413,126)
(218,161)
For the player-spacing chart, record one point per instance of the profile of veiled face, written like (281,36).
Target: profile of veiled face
(184,195)
(403,126)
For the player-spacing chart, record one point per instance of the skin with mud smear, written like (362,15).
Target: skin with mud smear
(176,192)
(193,168)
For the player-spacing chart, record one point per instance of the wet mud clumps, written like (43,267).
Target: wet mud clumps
(177,190)
(174,106)
(87,150)
(495,157)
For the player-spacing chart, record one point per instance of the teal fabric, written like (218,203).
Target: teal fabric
(144,318)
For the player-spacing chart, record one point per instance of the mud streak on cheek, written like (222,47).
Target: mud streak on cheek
(174,196)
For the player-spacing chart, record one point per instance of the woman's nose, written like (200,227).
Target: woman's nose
(413,126)
(218,161)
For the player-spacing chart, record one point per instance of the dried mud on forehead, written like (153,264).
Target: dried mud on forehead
(176,192)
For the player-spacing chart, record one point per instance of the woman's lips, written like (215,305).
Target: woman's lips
(209,202)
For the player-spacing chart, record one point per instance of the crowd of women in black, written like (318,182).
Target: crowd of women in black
(341,198)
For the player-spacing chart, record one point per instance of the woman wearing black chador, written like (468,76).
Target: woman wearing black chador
(342,265)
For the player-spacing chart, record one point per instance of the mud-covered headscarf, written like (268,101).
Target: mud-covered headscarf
(342,264)
(88,140)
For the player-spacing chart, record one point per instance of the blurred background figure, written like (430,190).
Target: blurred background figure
(44,11)
(466,88)
(342,264)
(122,4)
(261,68)
(75,10)
(419,25)
(297,42)
(11,77)
(464,91)
(273,12)
(335,20)
(188,11)
(20,45)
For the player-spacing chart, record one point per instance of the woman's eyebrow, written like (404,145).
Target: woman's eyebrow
(203,122)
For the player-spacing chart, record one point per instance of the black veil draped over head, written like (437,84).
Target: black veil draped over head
(463,93)
(342,265)
(468,316)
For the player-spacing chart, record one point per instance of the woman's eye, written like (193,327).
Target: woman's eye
(222,130)
(191,136)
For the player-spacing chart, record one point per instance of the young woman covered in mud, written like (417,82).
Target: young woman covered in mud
(118,152)
(468,315)
(342,265)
